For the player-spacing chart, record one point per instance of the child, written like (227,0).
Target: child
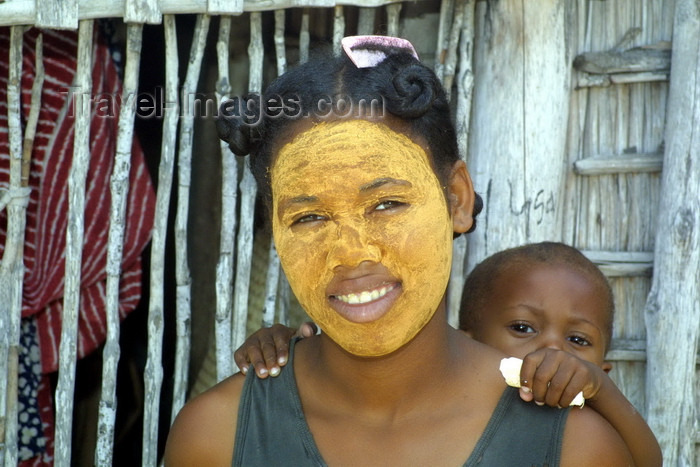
(365,201)
(545,303)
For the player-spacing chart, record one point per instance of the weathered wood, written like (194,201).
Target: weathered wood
(74,247)
(248,191)
(589,81)
(365,21)
(465,86)
(56,14)
(229,199)
(12,266)
(19,12)
(304,37)
(33,119)
(183,279)
(119,189)
(520,112)
(224,7)
(623,163)
(393,12)
(453,40)
(446,10)
(635,60)
(338,28)
(622,263)
(672,314)
(142,11)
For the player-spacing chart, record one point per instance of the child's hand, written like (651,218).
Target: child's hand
(267,349)
(554,377)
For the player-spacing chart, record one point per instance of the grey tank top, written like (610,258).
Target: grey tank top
(272,430)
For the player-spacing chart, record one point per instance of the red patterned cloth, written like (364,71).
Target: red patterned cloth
(45,243)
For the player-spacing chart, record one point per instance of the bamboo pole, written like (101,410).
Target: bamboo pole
(229,198)
(272,282)
(365,21)
(304,37)
(393,14)
(74,247)
(183,278)
(672,313)
(338,28)
(248,191)
(451,56)
(165,174)
(465,85)
(446,11)
(119,188)
(12,267)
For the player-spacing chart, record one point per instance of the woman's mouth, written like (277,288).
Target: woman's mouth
(365,296)
(364,306)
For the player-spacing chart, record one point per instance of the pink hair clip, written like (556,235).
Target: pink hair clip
(369,51)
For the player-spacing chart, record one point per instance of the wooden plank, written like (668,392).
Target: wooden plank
(19,12)
(622,263)
(519,124)
(119,189)
(57,14)
(224,7)
(671,313)
(450,65)
(12,266)
(142,11)
(446,11)
(623,163)
(74,247)
(465,86)
(393,14)
(229,199)
(338,28)
(589,81)
(635,60)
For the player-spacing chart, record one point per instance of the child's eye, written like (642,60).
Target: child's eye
(522,328)
(388,204)
(305,218)
(579,340)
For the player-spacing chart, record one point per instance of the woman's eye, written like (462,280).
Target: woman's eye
(388,204)
(522,328)
(578,340)
(308,218)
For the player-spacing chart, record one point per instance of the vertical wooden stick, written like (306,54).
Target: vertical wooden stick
(393,13)
(248,191)
(229,198)
(304,37)
(338,28)
(12,267)
(74,247)
(119,189)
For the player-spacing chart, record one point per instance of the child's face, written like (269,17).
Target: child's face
(363,233)
(541,305)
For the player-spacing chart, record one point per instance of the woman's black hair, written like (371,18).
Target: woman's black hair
(331,88)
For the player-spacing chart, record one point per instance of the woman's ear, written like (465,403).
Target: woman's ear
(607,366)
(460,192)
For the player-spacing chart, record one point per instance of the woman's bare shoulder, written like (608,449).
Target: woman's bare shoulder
(204,430)
(589,439)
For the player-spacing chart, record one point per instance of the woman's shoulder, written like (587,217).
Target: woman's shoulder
(204,430)
(589,438)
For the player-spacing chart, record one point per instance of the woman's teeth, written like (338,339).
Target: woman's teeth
(364,296)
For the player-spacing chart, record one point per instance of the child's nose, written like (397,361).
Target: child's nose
(352,246)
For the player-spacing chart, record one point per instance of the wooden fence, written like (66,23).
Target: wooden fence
(567,112)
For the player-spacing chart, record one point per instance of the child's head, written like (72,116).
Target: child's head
(364,203)
(539,295)
(399,91)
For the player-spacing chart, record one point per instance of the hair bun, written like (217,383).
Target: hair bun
(478,206)
(412,91)
(237,123)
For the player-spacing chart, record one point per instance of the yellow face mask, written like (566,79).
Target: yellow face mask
(363,233)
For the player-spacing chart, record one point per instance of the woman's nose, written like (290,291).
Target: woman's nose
(352,246)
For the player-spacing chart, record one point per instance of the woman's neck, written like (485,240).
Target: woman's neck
(388,385)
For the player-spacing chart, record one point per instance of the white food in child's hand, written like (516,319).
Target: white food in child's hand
(510,369)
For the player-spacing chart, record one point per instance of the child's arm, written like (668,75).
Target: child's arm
(554,377)
(267,349)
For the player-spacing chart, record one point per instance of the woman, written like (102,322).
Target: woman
(364,202)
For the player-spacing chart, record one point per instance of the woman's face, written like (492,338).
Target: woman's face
(363,232)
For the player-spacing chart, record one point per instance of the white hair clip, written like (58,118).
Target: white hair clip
(369,51)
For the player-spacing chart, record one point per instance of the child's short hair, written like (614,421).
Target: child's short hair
(478,287)
(400,88)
